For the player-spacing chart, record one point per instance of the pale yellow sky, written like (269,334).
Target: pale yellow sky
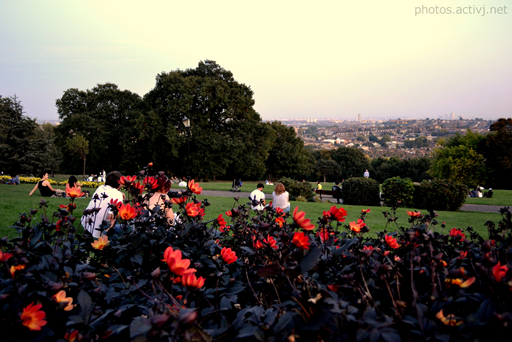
(301,58)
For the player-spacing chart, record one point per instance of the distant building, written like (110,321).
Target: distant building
(359,117)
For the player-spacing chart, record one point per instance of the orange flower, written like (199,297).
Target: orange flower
(391,241)
(127,212)
(228,255)
(71,337)
(459,282)
(414,213)
(365,211)
(137,188)
(271,242)
(338,214)
(32,317)
(193,209)
(499,271)
(300,240)
(150,183)
(61,297)
(280,221)
(448,320)
(301,220)
(176,264)
(463,254)
(127,181)
(229,213)
(257,245)
(179,200)
(279,211)
(356,228)
(100,243)
(195,188)
(13,269)
(5,256)
(74,192)
(190,280)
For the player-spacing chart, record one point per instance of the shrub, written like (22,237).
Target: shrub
(301,199)
(270,277)
(360,191)
(439,194)
(296,188)
(398,191)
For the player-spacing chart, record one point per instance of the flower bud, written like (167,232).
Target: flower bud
(156,273)
(89,275)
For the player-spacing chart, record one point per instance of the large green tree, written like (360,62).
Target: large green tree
(288,157)
(226,135)
(327,168)
(352,161)
(46,132)
(498,153)
(460,161)
(20,150)
(106,116)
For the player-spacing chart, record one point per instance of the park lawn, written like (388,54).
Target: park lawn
(15,200)
(499,197)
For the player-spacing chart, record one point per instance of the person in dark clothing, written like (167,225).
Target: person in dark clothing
(337,191)
(45,188)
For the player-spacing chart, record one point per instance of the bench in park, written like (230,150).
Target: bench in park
(335,194)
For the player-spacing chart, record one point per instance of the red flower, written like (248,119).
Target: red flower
(221,222)
(301,221)
(137,188)
(228,255)
(280,221)
(176,264)
(300,240)
(454,232)
(71,337)
(338,214)
(499,271)
(279,211)
(463,254)
(193,209)
(74,192)
(179,200)
(127,212)
(116,203)
(333,288)
(391,241)
(190,280)
(365,211)
(195,188)
(32,317)
(368,248)
(257,245)
(150,183)
(229,213)
(271,242)
(5,256)
(414,213)
(323,234)
(127,181)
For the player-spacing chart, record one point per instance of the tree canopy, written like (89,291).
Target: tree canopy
(352,161)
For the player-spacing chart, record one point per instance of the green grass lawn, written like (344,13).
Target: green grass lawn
(15,200)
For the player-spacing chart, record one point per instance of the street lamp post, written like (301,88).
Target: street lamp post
(186,123)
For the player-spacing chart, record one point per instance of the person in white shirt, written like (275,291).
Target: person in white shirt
(111,190)
(281,197)
(366,174)
(257,196)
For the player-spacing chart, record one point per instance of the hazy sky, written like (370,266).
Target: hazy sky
(303,59)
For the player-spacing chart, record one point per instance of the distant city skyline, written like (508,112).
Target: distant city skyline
(302,59)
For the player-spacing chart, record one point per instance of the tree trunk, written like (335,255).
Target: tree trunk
(324,178)
(83,176)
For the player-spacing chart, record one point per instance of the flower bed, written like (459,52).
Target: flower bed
(271,276)
(34,180)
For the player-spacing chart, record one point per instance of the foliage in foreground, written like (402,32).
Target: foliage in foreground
(254,278)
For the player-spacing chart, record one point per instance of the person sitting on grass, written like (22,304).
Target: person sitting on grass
(15,180)
(45,188)
(281,198)
(74,183)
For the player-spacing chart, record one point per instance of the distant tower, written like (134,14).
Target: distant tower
(359,118)
(453,116)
